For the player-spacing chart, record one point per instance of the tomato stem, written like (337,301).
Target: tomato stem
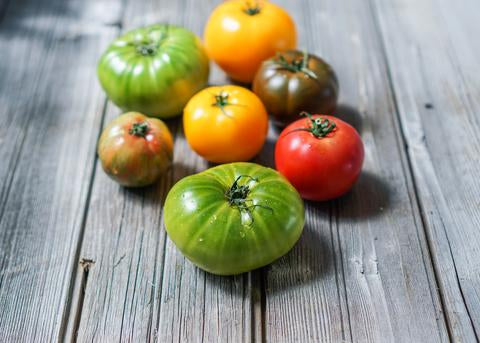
(147,49)
(252,9)
(237,197)
(295,66)
(221,100)
(320,127)
(139,129)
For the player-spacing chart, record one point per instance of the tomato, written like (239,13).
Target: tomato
(135,150)
(225,124)
(154,70)
(240,34)
(293,82)
(321,156)
(234,217)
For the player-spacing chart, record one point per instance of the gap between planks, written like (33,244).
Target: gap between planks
(416,202)
(78,293)
(407,164)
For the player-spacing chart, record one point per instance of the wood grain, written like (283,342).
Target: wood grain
(140,287)
(433,58)
(83,259)
(49,121)
(361,271)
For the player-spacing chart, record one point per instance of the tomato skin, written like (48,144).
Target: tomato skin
(238,42)
(154,70)
(320,168)
(220,238)
(132,160)
(286,93)
(232,134)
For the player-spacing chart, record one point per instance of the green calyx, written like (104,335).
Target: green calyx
(147,49)
(252,9)
(139,129)
(295,66)
(221,100)
(237,196)
(320,127)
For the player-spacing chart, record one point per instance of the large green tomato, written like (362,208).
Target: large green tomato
(234,218)
(154,70)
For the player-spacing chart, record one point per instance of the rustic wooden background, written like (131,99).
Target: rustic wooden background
(397,259)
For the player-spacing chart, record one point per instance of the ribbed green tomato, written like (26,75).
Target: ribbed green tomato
(154,70)
(234,217)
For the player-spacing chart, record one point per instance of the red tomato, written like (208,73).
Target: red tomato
(321,156)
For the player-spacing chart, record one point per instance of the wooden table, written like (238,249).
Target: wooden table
(397,259)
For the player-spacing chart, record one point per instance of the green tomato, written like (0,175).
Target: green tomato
(154,70)
(234,217)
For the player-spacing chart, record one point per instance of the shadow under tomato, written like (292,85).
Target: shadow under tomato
(308,260)
(181,170)
(369,197)
(152,195)
(266,156)
(350,115)
(239,83)
(157,192)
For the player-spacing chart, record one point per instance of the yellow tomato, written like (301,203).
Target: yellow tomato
(225,124)
(241,34)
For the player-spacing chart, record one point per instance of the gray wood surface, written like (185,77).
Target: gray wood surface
(83,259)
(433,70)
(359,272)
(140,288)
(48,128)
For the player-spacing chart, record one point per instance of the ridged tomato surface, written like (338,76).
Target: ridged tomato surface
(154,70)
(229,237)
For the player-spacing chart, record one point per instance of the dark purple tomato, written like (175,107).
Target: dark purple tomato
(293,82)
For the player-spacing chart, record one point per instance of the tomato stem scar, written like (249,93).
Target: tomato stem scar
(320,127)
(147,49)
(139,129)
(221,100)
(252,9)
(295,66)
(237,196)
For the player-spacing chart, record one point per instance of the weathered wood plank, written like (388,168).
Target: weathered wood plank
(140,287)
(197,306)
(50,112)
(433,58)
(363,266)
(305,299)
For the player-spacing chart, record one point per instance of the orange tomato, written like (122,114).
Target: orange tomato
(225,124)
(241,34)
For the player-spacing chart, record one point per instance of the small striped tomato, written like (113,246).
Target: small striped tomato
(135,150)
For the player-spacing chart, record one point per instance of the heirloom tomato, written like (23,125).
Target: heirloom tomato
(293,82)
(225,124)
(321,156)
(135,150)
(154,70)
(234,217)
(240,34)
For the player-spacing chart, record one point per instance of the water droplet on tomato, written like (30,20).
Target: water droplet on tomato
(246,218)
